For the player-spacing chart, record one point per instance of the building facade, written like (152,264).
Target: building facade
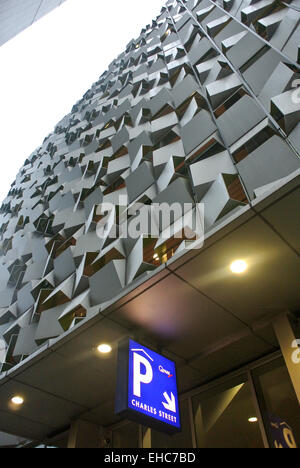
(200,113)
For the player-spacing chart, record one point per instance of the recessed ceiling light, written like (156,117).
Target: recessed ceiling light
(104,348)
(253,420)
(17,400)
(238,266)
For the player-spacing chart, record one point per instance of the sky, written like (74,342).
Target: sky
(48,67)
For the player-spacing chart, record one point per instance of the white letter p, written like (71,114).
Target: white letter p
(138,377)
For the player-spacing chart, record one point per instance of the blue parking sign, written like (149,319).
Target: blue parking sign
(147,387)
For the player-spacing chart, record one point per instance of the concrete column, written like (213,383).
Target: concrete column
(289,340)
(145,437)
(147,442)
(84,434)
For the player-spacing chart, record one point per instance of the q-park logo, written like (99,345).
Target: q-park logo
(164,371)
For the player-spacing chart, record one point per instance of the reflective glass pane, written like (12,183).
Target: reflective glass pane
(280,405)
(222,418)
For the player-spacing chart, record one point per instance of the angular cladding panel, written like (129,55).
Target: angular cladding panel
(158,102)
(95,198)
(143,139)
(163,155)
(184,90)
(157,128)
(218,91)
(178,191)
(108,282)
(197,131)
(247,47)
(239,119)
(26,342)
(217,202)
(49,326)
(201,51)
(276,84)
(120,139)
(231,29)
(177,197)
(271,161)
(257,74)
(286,29)
(205,172)
(286,106)
(25,298)
(6,296)
(291,49)
(64,266)
(139,181)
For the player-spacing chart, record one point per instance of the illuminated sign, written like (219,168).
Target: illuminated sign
(147,387)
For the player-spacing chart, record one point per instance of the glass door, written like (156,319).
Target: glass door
(226,417)
(279,405)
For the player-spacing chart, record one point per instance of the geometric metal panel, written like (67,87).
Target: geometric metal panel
(185,114)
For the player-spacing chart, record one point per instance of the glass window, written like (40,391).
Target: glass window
(181,440)
(126,436)
(223,418)
(279,404)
